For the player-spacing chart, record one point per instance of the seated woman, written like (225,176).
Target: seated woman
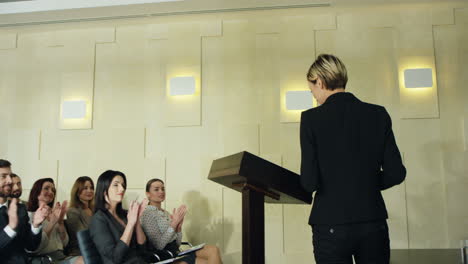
(117,234)
(164,231)
(80,211)
(54,234)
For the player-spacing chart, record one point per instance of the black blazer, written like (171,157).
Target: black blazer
(13,250)
(106,231)
(349,155)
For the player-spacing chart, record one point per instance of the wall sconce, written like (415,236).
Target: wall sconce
(298,100)
(418,78)
(182,86)
(74,109)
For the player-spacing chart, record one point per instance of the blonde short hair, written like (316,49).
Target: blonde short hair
(330,70)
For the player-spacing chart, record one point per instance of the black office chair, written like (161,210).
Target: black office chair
(87,248)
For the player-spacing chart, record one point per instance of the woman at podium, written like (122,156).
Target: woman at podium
(348,156)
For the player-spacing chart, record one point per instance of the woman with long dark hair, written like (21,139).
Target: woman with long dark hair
(117,233)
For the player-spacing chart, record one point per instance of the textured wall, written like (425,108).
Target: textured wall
(243,64)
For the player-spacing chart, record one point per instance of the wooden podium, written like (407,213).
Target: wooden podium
(259,181)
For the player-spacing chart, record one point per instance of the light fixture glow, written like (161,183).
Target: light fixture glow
(298,100)
(74,109)
(182,86)
(418,78)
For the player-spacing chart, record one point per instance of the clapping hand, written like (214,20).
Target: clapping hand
(178,216)
(133,213)
(40,215)
(63,211)
(142,207)
(13,213)
(179,227)
(58,212)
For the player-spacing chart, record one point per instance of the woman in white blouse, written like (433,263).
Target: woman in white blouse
(164,230)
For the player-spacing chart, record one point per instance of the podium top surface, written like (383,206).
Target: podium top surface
(244,167)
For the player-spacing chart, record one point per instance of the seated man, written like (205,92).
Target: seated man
(16,188)
(16,234)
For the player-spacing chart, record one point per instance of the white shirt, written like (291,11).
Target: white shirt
(12,233)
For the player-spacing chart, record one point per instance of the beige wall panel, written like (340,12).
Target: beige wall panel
(456,184)
(184,186)
(155,143)
(132,168)
(297,231)
(25,195)
(184,60)
(395,201)
(239,138)
(35,95)
(181,140)
(70,169)
(104,35)
(212,28)
(123,150)
(30,171)
(270,135)
(207,222)
(274,232)
(465,134)
(424,184)
(23,153)
(267,82)
(290,146)
(213,81)
(7,80)
(157,31)
(367,18)
(299,257)
(154,83)
(154,168)
(274,226)
(77,81)
(57,144)
(461,15)
(240,96)
(443,16)
(452,54)
(132,195)
(266,26)
(415,49)
(120,80)
(267,78)
(371,72)
(8,41)
(232,231)
(296,57)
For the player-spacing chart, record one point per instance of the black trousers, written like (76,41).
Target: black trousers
(367,242)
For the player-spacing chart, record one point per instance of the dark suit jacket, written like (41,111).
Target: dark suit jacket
(106,231)
(349,155)
(13,250)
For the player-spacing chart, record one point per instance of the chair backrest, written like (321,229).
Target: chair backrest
(87,248)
